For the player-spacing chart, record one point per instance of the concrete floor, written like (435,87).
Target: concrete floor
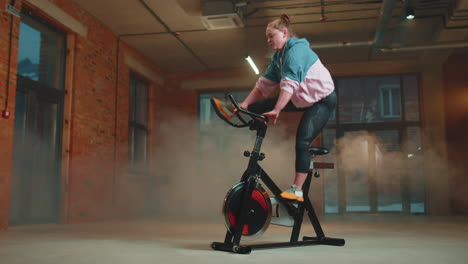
(369,239)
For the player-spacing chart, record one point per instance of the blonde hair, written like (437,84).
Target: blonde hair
(282,23)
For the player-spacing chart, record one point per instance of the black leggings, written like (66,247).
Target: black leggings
(312,122)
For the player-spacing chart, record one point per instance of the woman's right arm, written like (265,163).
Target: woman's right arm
(254,96)
(264,86)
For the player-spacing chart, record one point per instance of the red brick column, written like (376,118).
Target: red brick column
(9,26)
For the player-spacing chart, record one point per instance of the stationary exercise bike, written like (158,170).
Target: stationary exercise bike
(247,207)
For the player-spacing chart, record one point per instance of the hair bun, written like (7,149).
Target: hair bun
(285,19)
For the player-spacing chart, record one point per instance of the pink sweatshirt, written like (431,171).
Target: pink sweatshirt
(316,85)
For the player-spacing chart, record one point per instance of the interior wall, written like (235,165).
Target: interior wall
(97,182)
(456,120)
(101,186)
(434,143)
(7,92)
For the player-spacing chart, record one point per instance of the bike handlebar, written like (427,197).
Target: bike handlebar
(218,106)
(252,114)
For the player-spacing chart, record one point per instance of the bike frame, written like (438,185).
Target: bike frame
(251,177)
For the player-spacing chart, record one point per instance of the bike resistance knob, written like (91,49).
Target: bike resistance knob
(262,156)
(246,153)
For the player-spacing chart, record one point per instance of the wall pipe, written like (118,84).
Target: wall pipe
(116,110)
(385,15)
(5,111)
(445,45)
(342,45)
(448,45)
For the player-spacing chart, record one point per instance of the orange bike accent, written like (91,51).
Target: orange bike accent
(220,108)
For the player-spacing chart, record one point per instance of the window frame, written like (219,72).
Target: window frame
(135,125)
(389,88)
(399,123)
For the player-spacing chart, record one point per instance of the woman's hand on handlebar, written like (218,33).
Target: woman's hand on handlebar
(242,105)
(272,116)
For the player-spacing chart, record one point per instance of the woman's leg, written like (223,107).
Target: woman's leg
(263,106)
(266,105)
(312,122)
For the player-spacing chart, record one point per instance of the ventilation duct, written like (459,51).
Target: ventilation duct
(220,14)
(456,17)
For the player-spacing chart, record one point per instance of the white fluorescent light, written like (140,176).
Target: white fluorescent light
(252,64)
(409,13)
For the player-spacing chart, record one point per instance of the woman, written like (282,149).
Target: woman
(305,86)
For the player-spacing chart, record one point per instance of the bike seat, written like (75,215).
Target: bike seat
(318,151)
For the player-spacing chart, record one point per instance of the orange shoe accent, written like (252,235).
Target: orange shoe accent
(288,195)
(291,196)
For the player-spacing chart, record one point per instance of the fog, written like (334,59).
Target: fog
(193,176)
(195,173)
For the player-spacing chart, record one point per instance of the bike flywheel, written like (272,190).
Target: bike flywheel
(259,210)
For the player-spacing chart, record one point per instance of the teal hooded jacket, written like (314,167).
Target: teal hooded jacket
(292,62)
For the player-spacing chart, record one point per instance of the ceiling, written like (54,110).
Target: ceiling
(171,32)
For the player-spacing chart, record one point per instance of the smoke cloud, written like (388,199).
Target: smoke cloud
(195,173)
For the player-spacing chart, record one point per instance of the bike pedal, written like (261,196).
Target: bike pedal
(276,200)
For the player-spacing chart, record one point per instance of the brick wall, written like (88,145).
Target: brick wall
(93,122)
(100,186)
(7,92)
(456,121)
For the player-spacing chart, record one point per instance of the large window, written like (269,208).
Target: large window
(138,125)
(35,186)
(212,128)
(217,139)
(207,115)
(376,142)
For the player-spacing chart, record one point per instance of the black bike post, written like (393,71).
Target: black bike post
(299,216)
(243,214)
(250,177)
(310,209)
